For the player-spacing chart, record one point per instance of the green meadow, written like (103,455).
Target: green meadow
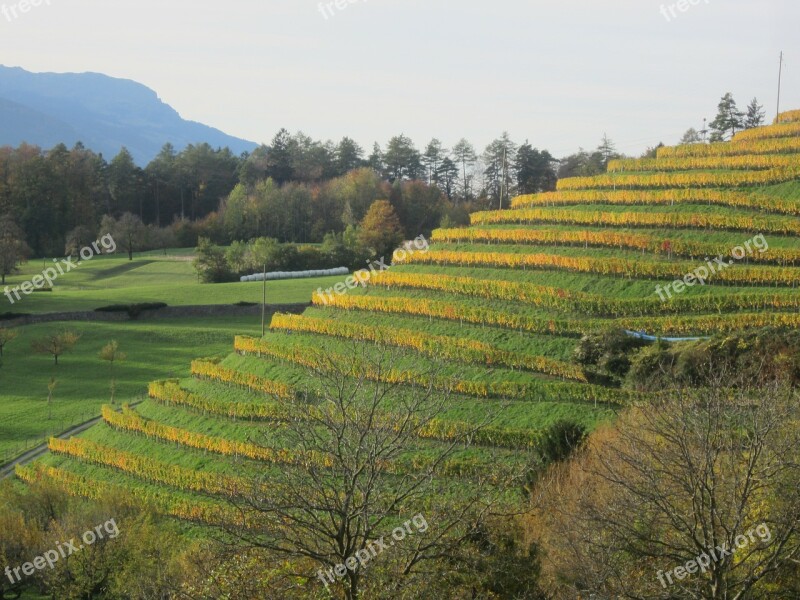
(155,349)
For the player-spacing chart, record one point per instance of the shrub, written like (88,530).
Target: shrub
(607,355)
(560,440)
(210,264)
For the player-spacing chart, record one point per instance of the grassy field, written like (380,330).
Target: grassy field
(499,354)
(150,277)
(155,350)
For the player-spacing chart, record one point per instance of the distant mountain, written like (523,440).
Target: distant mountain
(102,112)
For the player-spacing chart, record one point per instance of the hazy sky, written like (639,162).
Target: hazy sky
(558,73)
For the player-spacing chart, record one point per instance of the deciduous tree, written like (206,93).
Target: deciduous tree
(693,477)
(323,514)
(6,337)
(381,230)
(111,354)
(56,344)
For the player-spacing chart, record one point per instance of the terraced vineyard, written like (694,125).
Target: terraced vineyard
(499,306)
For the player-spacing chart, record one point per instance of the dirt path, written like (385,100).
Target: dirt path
(8,469)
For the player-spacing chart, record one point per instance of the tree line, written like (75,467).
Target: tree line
(48,193)
(296,189)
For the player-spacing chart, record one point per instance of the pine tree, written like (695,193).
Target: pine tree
(432,158)
(755,115)
(728,121)
(607,150)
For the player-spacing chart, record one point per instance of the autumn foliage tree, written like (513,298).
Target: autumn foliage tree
(680,479)
(381,230)
(55,344)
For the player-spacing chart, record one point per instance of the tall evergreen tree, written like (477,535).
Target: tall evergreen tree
(447,177)
(376,159)
(432,158)
(403,160)
(607,150)
(279,159)
(534,170)
(728,121)
(349,156)
(498,159)
(755,115)
(464,154)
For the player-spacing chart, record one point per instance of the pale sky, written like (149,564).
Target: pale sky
(558,73)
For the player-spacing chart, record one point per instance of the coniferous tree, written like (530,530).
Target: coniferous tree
(728,121)
(279,159)
(755,115)
(534,170)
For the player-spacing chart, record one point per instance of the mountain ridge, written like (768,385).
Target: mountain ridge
(104,113)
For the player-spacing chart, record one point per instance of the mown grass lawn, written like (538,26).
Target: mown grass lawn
(155,350)
(150,277)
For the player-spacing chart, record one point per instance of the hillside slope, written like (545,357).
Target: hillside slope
(500,305)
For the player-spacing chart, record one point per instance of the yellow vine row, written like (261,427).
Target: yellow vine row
(782,225)
(436,429)
(608,239)
(672,325)
(565,300)
(446,347)
(209,369)
(148,468)
(790,116)
(780,130)
(685,180)
(131,421)
(731,198)
(632,269)
(533,390)
(170,392)
(194,510)
(749,162)
(747,147)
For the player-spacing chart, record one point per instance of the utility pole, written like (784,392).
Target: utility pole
(780,73)
(264,305)
(504,184)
